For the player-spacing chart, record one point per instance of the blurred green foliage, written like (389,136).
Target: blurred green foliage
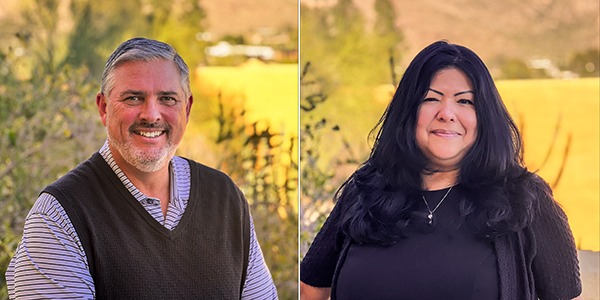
(345,56)
(265,163)
(350,56)
(48,119)
(345,48)
(317,187)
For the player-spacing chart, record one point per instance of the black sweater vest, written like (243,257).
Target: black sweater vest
(131,256)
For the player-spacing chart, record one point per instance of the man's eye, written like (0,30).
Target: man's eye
(168,100)
(133,99)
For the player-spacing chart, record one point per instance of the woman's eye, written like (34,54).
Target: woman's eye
(430,99)
(466,101)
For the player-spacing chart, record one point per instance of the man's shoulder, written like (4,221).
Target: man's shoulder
(81,173)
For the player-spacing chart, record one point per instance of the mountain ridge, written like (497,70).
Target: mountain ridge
(554,29)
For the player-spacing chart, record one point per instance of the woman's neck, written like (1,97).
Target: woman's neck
(439,180)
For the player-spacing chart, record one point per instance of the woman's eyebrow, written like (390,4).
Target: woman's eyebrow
(463,92)
(437,92)
(457,94)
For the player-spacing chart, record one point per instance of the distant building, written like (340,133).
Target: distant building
(225,49)
(550,68)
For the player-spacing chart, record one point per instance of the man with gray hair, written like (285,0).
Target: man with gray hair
(134,221)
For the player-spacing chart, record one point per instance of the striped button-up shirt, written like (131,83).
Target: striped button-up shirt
(50,261)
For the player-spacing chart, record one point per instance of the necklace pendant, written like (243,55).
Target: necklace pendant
(430,218)
(430,215)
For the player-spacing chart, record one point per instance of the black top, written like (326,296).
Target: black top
(444,260)
(132,256)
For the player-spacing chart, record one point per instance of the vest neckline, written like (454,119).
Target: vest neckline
(141,211)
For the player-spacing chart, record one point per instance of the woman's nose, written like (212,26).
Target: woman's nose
(446,112)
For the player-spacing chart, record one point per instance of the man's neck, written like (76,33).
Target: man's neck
(152,184)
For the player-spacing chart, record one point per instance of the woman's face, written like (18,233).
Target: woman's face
(446,120)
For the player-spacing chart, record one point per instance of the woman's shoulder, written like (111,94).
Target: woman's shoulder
(537,182)
(542,203)
(531,183)
(528,193)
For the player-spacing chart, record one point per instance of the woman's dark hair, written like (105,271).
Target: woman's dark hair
(383,193)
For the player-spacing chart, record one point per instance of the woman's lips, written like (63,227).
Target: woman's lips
(445,133)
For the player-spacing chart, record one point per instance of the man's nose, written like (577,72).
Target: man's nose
(150,111)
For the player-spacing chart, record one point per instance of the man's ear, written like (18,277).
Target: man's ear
(188,108)
(101,103)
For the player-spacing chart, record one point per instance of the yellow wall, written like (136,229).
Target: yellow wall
(539,106)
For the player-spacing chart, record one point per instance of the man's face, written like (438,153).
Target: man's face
(145,113)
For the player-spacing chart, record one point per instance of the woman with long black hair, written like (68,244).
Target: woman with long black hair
(444,207)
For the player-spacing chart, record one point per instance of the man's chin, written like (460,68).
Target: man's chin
(149,167)
(150,162)
(146,160)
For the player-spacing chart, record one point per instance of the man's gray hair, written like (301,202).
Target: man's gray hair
(142,49)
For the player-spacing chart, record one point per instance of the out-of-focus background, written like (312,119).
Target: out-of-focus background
(243,60)
(543,54)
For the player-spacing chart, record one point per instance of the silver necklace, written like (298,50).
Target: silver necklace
(430,215)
